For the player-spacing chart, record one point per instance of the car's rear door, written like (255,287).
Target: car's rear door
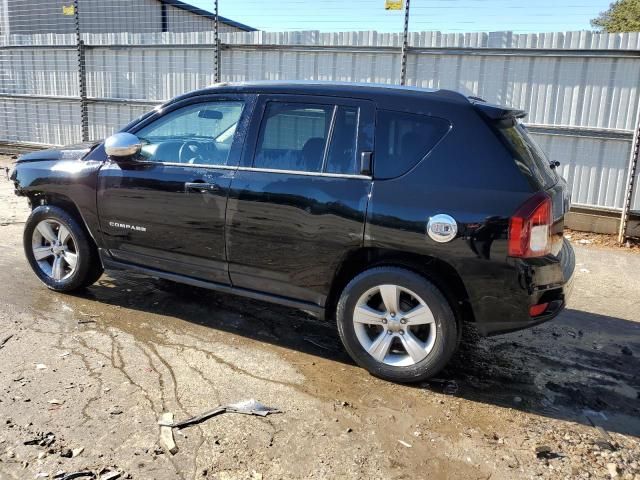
(297,203)
(166,210)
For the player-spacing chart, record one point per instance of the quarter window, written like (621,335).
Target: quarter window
(197,134)
(403,139)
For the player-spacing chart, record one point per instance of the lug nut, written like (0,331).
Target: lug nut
(384,321)
(401,332)
(393,315)
(403,321)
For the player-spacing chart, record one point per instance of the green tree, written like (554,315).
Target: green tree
(622,16)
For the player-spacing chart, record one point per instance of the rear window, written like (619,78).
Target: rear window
(403,139)
(528,154)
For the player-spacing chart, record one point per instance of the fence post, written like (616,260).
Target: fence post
(82,75)
(405,45)
(216,40)
(631,175)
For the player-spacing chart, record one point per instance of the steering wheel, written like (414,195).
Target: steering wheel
(190,152)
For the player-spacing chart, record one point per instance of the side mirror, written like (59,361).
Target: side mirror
(122,145)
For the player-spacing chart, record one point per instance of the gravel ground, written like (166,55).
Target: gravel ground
(85,378)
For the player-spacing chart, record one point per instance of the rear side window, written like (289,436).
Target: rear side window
(529,156)
(308,138)
(293,137)
(403,139)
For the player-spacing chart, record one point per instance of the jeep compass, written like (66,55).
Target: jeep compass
(402,214)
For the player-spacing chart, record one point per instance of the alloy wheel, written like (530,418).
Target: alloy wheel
(54,249)
(394,325)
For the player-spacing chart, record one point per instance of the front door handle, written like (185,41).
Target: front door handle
(200,187)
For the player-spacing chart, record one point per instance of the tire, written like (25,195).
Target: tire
(434,328)
(68,275)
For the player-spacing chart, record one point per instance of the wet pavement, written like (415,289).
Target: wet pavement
(97,370)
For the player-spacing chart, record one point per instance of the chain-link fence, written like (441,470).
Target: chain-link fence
(78,70)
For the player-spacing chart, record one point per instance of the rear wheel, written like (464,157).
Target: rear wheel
(396,324)
(59,251)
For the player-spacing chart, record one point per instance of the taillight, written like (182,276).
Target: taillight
(530,228)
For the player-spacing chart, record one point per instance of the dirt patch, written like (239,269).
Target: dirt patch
(587,239)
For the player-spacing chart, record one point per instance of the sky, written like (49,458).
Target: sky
(442,15)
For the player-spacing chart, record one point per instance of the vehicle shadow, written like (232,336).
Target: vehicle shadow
(581,367)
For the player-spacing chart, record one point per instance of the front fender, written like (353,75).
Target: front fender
(71,184)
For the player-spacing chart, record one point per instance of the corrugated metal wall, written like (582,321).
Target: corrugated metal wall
(581,89)
(26,17)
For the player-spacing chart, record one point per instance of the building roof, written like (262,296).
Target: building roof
(204,13)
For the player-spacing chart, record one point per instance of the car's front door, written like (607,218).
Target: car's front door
(166,209)
(298,202)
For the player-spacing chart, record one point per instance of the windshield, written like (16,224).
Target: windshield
(529,156)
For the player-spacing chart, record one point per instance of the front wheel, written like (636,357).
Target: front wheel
(396,324)
(59,250)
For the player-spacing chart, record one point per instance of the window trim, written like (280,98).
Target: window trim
(304,173)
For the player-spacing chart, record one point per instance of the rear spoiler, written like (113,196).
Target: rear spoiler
(496,112)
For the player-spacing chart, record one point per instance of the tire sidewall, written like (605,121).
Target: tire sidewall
(83,247)
(445,324)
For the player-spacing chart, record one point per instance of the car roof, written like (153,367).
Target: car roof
(370,91)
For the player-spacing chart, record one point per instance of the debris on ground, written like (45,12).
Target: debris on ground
(42,439)
(404,444)
(613,470)
(87,320)
(5,340)
(544,451)
(166,433)
(246,407)
(83,474)
(41,366)
(107,474)
(589,239)
(604,441)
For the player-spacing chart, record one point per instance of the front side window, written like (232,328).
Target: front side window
(197,134)
(308,138)
(403,139)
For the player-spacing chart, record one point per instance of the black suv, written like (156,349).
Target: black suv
(399,212)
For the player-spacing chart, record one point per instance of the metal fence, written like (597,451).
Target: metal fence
(85,79)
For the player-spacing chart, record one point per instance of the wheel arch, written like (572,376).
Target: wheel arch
(37,199)
(442,274)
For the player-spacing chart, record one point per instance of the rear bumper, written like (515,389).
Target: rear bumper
(545,280)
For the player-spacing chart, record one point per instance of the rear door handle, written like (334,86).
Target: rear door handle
(200,187)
